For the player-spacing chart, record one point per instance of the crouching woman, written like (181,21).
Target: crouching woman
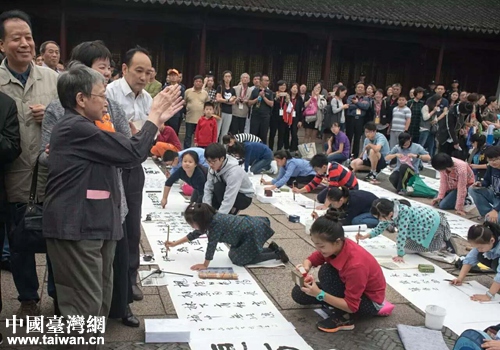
(350,279)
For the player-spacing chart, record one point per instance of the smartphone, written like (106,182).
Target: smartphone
(297,278)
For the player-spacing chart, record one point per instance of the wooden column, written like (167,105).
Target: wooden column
(62,41)
(203,48)
(440,63)
(328,62)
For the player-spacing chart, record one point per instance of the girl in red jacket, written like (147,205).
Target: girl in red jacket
(206,130)
(350,279)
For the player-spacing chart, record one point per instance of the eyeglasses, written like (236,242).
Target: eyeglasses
(103,96)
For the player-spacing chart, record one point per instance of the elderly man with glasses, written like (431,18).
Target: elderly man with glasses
(82,218)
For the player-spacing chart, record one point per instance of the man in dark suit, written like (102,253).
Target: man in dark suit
(10,149)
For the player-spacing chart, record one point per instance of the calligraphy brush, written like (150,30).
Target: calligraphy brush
(293,186)
(357,236)
(168,239)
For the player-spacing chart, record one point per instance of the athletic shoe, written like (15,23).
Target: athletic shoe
(334,324)
(386,309)
(273,246)
(372,176)
(282,255)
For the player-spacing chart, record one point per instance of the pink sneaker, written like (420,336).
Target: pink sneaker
(386,310)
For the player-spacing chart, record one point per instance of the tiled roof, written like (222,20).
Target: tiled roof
(481,16)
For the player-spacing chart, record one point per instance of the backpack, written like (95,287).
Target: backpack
(471,340)
(330,117)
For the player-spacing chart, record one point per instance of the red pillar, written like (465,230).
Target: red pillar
(440,63)
(62,42)
(328,60)
(203,49)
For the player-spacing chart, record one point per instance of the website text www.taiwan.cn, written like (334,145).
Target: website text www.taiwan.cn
(56,330)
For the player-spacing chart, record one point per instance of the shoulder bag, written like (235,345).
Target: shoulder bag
(26,234)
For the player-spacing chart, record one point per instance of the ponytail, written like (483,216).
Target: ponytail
(336,193)
(328,227)
(200,214)
(282,154)
(238,149)
(483,233)
(382,207)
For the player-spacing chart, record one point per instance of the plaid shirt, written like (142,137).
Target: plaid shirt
(460,178)
(416,116)
(211,94)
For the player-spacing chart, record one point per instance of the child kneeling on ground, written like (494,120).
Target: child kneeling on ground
(245,234)
(486,250)
(420,229)
(350,279)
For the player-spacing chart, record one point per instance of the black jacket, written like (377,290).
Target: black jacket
(82,198)
(10,144)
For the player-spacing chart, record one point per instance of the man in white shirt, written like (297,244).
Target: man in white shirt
(129,91)
(136,102)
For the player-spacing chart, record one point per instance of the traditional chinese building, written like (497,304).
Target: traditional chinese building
(411,42)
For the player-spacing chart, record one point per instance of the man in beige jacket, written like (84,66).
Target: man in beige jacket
(33,88)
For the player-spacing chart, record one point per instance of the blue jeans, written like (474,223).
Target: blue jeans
(449,201)
(190,128)
(260,165)
(484,199)
(365,219)
(337,157)
(427,141)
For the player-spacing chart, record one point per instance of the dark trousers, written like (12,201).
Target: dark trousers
(274,125)
(399,178)
(23,266)
(286,131)
(175,123)
(188,138)
(241,202)
(133,183)
(300,180)
(122,286)
(354,130)
(259,126)
(447,148)
(237,125)
(3,231)
(331,283)
(265,255)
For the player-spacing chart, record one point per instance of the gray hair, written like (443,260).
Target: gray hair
(77,78)
(248,75)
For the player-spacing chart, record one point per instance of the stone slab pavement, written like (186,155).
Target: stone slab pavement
(374,333)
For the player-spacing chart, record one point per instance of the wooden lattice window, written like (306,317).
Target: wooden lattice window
(256,63)
(290,63)
(313,69)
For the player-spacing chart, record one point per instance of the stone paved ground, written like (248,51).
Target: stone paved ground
(375,333)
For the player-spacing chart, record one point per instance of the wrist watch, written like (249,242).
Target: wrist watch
(487,293)
(321,296)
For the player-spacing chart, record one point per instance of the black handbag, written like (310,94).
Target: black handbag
(26,234)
